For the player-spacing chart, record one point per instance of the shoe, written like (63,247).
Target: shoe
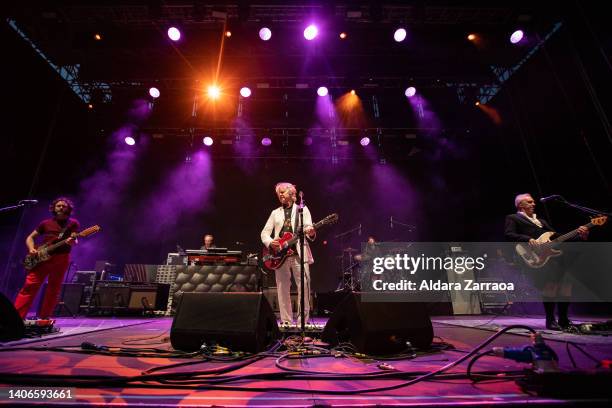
(565,323)
(553,325)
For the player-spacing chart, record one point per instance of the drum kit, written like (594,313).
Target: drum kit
(353,261)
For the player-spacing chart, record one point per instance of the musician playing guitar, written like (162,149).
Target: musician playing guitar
(525,226)
(284,219)
(59,227)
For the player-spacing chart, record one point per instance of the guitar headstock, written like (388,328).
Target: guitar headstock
(330,219)
(91,230)
(601,220)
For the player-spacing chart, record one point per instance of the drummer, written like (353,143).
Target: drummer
(369,250)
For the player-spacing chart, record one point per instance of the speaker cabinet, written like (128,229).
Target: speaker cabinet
(379,327)
(240,321)
(149,296)
(11,325)
(70,299)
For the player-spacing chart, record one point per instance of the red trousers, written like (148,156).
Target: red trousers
(55,268)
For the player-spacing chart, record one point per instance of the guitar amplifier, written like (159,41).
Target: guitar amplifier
(110,295)
(152,296)
(130,296)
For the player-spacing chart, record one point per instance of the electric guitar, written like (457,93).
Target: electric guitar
(45,251)
(274,259)
(538,256)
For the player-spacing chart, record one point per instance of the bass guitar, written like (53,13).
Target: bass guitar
(274,259)
(537,256)
(45,251)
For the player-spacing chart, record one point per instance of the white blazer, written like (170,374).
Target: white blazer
(275,224)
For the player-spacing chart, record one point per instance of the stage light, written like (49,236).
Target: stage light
(228,33)
(308,141)
(353,92)
(364,141)
(90,106)
(97,36)
(207,140)
(343,35)
(174,34)
(477,103)
(516,36)
(322,91)
(471,37)
(265,33)
(154,92)
(311,32)
(399,35)
(129,140)
(245,91)
(266,141)
(214,92)
(410,91)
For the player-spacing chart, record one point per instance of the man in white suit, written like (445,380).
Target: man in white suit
(281,220)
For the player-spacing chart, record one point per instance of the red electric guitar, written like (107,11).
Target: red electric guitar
(274,259)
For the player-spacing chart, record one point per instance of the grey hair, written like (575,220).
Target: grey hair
(284,186)
(519,198)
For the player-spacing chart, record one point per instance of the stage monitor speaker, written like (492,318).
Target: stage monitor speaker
(241,321)
(11,325)
(379,327)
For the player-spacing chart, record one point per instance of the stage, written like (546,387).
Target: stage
(284,381)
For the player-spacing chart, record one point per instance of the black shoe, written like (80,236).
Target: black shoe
(553,325)
(565,323)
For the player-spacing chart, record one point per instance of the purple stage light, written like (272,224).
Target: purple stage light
(364,141)
(265,33)
(410,91)
(322,91)
(245,91)
(308,141)
(208,141)
(129,140)
(311,32)
(174,34)
(266,141)
(516,36)
(154,92)
(399,35)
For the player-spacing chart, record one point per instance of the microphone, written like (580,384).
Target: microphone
(28,202)
(359,233)
(391,222)
(551,197)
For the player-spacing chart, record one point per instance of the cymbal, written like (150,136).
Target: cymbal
(349,249)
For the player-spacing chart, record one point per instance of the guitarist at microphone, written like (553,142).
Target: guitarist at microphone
(525,226)
(59,227)
(285,219)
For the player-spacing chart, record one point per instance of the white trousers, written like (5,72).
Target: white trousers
(291,266)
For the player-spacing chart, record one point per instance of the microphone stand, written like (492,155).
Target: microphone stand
(410,227)
(584,209)
(302,274)
(21,204)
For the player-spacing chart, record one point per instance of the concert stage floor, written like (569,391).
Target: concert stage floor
(461,332)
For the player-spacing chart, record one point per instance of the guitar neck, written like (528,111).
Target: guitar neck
(57,245)
(571,234)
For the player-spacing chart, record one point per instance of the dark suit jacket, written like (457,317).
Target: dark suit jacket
(520,229)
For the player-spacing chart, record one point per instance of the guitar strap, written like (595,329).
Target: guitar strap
(62,232)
